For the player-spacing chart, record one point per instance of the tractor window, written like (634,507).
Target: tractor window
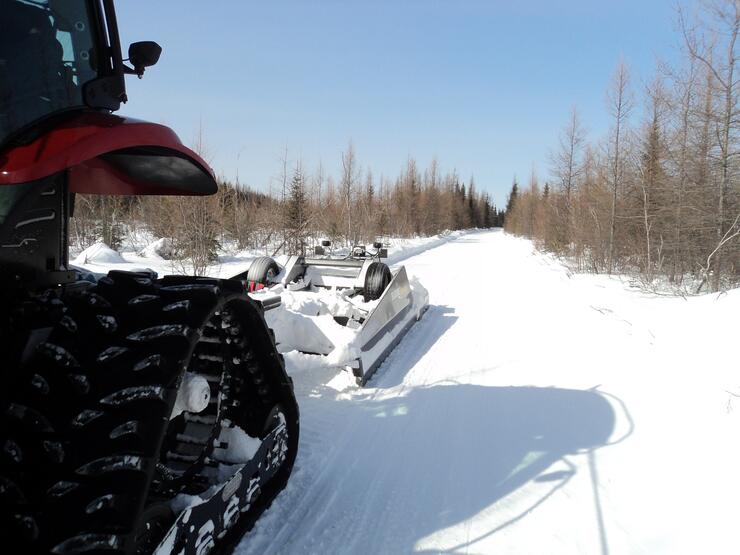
(47,54)
(9,195)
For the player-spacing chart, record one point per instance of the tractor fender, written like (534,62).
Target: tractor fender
(112,155)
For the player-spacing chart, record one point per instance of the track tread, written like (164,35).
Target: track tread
(91,402)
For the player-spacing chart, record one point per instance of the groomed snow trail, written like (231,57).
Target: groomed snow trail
(530,411)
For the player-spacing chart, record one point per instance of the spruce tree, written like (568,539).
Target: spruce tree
(512,197)
(296,213)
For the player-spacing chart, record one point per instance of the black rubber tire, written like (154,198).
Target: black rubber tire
(377,278)
(263,270)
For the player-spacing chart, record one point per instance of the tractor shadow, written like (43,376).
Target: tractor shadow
(437,320)
(453,451)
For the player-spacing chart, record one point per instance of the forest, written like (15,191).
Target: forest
(658,196)
(298,211)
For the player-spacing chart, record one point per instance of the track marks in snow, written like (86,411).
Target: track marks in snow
(483,431)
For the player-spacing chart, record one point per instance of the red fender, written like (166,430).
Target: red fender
(110,155)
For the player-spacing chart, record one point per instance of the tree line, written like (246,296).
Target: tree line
(659,195)
(301,209)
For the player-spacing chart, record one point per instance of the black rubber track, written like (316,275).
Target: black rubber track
(377,278)
(84,414)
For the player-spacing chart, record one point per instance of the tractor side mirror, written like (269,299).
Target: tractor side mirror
(318,251)
(377,245)
(143,54)
(325,243)
(383,253)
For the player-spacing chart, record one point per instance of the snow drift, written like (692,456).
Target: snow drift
(99,253)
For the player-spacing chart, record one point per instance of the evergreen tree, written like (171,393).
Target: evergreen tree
(471,205)
(512,197)
(487,211)
(296,213)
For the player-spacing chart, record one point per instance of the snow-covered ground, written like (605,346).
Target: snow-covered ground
(139,253)
(530,411)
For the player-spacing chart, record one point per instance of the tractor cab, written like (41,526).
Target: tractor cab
(56,58)
(120,395)
(61,77)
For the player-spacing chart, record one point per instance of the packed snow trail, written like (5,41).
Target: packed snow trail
(530,411)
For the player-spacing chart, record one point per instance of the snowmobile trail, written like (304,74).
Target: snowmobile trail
(517,418)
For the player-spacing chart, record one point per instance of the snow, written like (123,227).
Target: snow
(153,254)
(159,249)
(132,394)
(304,321)
(97,254)
(531,410)
(241,447)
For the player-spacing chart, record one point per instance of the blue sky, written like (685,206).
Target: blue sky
(485,86)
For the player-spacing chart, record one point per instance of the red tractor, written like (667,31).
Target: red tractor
(137,414)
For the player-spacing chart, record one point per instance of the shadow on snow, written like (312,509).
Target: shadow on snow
(414,346)
(465,447)
(433,457)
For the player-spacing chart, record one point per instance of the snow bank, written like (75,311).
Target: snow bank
(401,249)
(143,251)
(99,253)
(161,249)
(305,322)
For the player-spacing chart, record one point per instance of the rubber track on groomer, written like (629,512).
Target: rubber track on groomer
(84,416)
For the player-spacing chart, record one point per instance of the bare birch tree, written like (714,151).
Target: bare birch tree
(348,184)
(720,57)
(567,169)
